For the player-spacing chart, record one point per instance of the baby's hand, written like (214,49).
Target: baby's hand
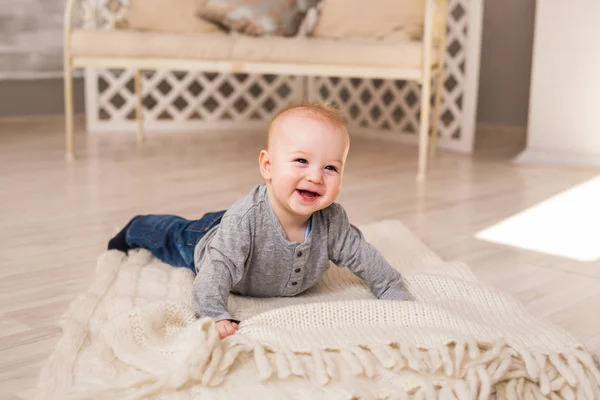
(226,328)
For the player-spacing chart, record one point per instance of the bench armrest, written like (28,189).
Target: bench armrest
(91,14)
(435,20)
(95,14)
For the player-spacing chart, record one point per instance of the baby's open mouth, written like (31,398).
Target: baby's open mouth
(308,195)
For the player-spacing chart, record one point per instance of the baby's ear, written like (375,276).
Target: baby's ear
(264,162)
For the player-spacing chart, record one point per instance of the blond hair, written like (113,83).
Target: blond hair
(322,111)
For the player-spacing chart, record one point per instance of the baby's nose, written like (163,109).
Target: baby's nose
(315,175)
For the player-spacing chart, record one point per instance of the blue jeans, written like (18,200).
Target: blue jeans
(170,238)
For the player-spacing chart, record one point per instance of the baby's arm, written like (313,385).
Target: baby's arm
(210,291)
(220,268)
(348,247)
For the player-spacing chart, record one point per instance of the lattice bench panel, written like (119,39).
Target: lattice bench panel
(185,100)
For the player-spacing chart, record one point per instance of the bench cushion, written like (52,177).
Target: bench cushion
(223,47)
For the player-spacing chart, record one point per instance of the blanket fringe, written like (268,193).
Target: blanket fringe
(502,370)
(507,370)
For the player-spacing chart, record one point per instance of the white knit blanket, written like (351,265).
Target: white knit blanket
(133,335)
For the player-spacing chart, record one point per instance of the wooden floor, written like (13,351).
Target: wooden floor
(56,218)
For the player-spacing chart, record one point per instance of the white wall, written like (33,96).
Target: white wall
(564,109)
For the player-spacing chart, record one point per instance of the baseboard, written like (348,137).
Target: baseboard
(543,157)
(28,97)
(501,132)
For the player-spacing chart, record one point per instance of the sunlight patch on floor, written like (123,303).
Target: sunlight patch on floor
(565,225)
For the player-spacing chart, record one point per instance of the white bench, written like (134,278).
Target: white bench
(419,61)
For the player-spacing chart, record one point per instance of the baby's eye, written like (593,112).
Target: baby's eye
(331,168)
(302,160)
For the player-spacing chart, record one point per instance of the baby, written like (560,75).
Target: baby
(278,239)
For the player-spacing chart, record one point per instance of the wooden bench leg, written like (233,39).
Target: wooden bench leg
(139,106)
(436,112)
(424,128)
(69,125)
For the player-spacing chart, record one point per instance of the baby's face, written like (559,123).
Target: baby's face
(307,163)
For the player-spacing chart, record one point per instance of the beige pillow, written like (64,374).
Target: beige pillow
(177,16)
(369,19)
